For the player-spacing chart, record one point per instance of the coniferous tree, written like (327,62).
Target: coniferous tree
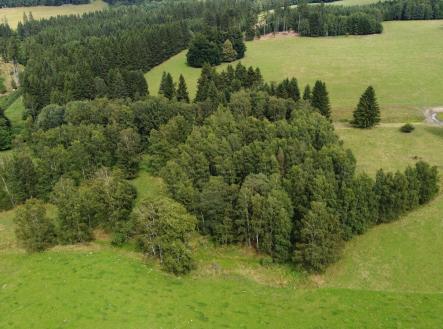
(228,54)
(182,90)
(206,76)
(307,93)
(167,88)
(320,99)
(293,91)
(367,113)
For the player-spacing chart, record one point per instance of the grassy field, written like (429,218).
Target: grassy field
(404,255)
(391,277)
(15,15)
(404,64)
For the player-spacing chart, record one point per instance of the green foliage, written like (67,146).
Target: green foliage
(367,113)
(407,128)
(182,90)
(216,46)
(228,53)
(320,99)
(319,238)
(51,116)
(5,132)
(105,201)
(202,51)
(307,93)
(34,230)
(162,229)
(167,86)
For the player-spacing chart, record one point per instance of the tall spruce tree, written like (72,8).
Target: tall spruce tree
(182,90)
(367,113)
(206,76)
(320,98)
(167,87)
(307,93)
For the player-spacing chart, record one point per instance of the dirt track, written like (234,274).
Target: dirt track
(431,115)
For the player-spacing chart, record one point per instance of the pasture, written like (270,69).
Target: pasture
(15,15)
(404,64)
(391,277)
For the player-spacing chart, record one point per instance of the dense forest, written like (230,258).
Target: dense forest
(30,3)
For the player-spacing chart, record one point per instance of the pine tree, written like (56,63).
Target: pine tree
(206,76)
(229,54)
(320,99)
(367,113)
(307,93)
(293,91)
(182,90)
(167,88)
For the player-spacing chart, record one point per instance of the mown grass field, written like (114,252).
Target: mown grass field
(404,64)
(15,15)
(391,277)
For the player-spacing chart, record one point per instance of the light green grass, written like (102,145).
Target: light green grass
(15,15)
(105,289)
(404,64)
(15,114)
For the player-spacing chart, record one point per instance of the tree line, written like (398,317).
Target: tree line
(31,3)
(324,20)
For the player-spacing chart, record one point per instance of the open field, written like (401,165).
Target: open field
(391,277)
(404,64)
(404,255)
(15,15)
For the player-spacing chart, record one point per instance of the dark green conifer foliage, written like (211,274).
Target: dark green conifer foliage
(367,113)
(203,83)
(307,93)
(182,90)
(167,87)
(320,99)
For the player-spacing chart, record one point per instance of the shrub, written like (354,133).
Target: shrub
(407,128)
(34,230)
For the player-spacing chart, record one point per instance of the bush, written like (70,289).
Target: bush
(407,128)
(177,258)
(34,230)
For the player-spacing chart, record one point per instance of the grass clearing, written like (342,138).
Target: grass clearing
(15,113)
(15,15)
(403,64)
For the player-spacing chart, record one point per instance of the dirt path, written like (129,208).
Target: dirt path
(431,115)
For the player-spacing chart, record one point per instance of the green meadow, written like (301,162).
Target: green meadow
(15,15)
(404,64)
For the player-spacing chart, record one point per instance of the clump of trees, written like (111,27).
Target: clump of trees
(271,174)
(215,47)
(105,201)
